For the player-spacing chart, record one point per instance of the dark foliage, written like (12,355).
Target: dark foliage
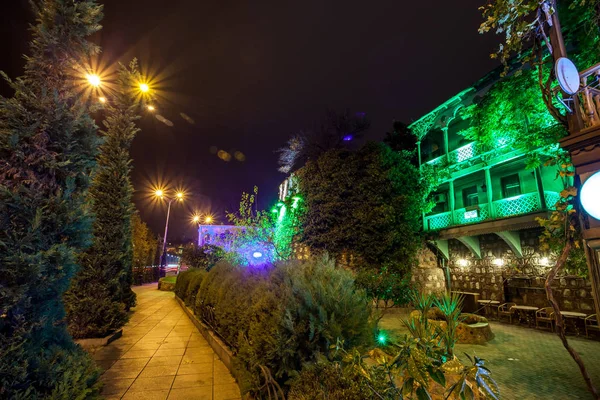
(367,203)
(100,295)
(145,246)
(47,148)
(401,139)
(203,257)
(336,131)
(331,380)
(279,317)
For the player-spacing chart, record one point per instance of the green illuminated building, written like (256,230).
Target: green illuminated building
(483,225)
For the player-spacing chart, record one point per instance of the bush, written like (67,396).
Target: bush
(280,317)
(332,381)
(183,281)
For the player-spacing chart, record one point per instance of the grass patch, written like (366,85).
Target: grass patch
(169,279)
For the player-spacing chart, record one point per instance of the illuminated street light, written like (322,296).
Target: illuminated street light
(144,87)
(196,218)
(160,193)
(208,219)
(93,79)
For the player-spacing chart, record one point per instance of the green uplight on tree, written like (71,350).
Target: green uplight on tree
(382,338)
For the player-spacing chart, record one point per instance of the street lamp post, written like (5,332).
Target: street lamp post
(163,258)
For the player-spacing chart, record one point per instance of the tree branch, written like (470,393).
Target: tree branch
(559,319)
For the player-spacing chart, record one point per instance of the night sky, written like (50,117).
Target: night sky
(251,74)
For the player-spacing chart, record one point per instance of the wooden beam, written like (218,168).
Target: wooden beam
(513,240)
(472,243)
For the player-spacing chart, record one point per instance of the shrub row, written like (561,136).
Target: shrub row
(277,318)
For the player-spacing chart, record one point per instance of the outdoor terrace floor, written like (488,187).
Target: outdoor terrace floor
(527,363)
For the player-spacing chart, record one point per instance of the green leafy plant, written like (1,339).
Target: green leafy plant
(450,304)
(277,318)
(48,142)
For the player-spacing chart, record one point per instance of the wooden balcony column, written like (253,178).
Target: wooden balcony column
(540,188)
(451,200)
(489,192)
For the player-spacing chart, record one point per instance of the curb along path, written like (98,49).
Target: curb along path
(162,356)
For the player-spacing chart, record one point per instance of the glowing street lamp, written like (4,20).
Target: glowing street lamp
(160,194)
(197,220)
(144,88)
(93,80)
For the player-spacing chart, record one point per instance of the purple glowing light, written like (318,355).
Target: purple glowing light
(348,138)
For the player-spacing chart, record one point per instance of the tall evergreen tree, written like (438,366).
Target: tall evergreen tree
(47,147)
(100,295)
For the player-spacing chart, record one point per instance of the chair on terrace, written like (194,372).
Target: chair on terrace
(591,324)
(546,316)
(505,310)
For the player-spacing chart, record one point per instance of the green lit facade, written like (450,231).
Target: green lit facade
(480,190)
(483,226)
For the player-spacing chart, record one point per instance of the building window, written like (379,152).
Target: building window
(511,186)
(470,196)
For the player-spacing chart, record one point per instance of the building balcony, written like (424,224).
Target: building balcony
(513,206)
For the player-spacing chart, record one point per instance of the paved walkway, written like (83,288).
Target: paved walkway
(161,355)
(528,363)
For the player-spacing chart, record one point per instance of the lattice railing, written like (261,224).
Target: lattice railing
(462,216)
(463,153)
(551,199)
(522,204)
(435,161)
(439,221)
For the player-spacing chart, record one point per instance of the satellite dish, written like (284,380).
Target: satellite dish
(567,75)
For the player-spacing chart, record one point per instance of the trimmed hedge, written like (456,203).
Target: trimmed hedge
(279,317)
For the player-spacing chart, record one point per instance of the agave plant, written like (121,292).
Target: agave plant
(450,305)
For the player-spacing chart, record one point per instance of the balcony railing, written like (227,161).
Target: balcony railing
(462,153)
(457,156)
(509,207)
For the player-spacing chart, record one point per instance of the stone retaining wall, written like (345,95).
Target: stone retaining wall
(520,280)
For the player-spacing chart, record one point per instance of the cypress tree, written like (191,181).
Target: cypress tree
(47,148)
(100,295)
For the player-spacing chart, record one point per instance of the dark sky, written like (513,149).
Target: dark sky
(251,74)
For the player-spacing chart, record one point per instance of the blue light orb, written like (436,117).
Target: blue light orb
(257,254)
(348,138)
(589,195)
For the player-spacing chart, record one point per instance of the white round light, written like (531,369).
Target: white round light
(590,195)
(498,262)
(257,254)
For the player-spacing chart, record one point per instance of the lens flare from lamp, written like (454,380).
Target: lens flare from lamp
(179,195)
(257,254)
(144,88)
(589,195)
(93,79)
(382,338)
(196,218)
(208,220)
(159,192)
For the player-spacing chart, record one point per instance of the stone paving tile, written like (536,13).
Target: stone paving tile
(528,363)
(162,356)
